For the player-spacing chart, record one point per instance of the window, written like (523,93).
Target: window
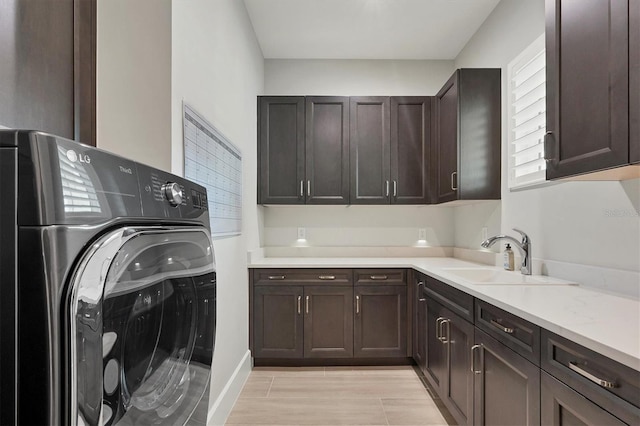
(527,116)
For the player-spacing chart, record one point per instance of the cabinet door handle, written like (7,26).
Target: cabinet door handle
(473,359)
(357,304)
(395,188)
(602,382)
(501,327)
(438,328)
(378,277)
(386,185)
(445,335)
(327,277)
(420,299)
(308,188)
(299,305)
(549,147)
(206,306)
(301,188)
(306,304)
(276,277)
(453,176)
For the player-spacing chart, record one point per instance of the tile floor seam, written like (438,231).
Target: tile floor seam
(384,413)
(270,385)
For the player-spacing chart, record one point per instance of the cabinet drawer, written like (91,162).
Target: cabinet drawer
(510,330)
(595,376)
(458,301)
(380,276)
(302,276)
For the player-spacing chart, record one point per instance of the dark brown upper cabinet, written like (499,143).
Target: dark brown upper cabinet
(48,67)
(281,150)
(588,85)
(303,150)
(370,150)
(327,150)
(466,161)
(390,150)
(634,82)
(410,149)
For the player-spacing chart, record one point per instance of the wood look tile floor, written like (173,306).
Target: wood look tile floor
(335,396)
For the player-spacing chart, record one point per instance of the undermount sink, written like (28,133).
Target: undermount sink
(489,276)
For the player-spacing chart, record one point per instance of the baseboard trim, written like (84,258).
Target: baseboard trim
(221,408)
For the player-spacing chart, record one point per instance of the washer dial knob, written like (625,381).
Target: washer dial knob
(173,193)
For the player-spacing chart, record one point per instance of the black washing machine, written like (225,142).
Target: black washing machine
(107,288)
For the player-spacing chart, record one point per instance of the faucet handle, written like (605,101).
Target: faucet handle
(525,237)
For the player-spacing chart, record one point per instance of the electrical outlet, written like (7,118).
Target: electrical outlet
(422,234)
(302,234)
(485,233)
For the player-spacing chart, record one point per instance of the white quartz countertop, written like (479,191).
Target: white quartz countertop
(606,323)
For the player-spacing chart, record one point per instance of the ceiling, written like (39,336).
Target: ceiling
(366,29)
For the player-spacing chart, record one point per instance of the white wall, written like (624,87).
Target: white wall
(590,223)
(218,69)
(354,226)
(134,80)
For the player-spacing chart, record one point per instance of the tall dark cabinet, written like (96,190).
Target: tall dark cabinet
(466,147)
(410,149)
(281,150)
(327,149)
(303,150)
(587,85)
(48,67)
(370,150)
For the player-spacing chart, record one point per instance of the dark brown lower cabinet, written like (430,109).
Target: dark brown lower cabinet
(562,406)
(507,386)
(277,322)
(448,360)
(419,322)
(380,321)
(328,321)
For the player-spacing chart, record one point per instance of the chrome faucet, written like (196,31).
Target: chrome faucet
(524,247)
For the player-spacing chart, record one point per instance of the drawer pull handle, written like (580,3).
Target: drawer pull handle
(327,277)
(299,305)
(276,277)
(378,277)
(501,327)
(604,383)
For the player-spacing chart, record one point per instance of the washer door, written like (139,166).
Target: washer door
(143,308)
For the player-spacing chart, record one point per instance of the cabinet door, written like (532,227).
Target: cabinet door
(445,167)
(634,81)
(458,337)
(419,323)
(281,150)
(327,150)
(410,149)
(562,406)
(507,386)
(48,67)
(436,355)
(587,85)
(380,326)
(277,322)
(369,150)
(328,322)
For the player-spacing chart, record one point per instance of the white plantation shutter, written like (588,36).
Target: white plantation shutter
(527,116)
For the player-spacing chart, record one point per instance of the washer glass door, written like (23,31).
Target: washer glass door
(144,326)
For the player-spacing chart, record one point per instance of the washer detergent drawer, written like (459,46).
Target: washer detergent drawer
(143,307)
